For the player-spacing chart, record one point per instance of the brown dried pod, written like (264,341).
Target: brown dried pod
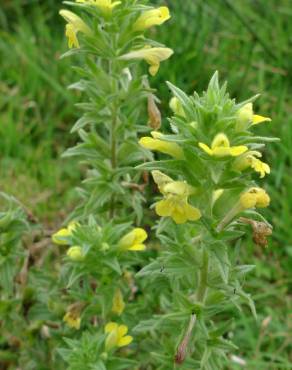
(182,350)
(260,231)
(153,113)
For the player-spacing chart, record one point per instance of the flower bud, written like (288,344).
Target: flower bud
(75,253)
(118,302)
(176,106)
(244,116)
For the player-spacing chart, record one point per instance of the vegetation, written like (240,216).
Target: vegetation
(249,44)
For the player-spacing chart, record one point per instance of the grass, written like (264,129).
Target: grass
(36,110)
(248,42)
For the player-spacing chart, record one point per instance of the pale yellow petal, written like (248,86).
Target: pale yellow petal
(151,18)
(124,341)
(122,330)
(73,225)
(160,178)
(164,208)
(154,67)
(140,235)
(222,151)
(179,188)
(110,327)
(179,215)
(248,200)
(220,140)
(137,247)
(260,167)
(75,21)
(206,148)
(259,119)
(127,240)
(61,236)
(118,305)
(263,199)
(192,213)
(162,146)
(152,56)
(238,150)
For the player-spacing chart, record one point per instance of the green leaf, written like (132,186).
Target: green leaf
(220,252)
(113,263)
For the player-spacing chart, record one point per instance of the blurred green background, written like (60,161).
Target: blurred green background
(248,41)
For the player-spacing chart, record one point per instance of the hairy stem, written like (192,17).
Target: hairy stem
(113,138)
(202,289)
(113,143)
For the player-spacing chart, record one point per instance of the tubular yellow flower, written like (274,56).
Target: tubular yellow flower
(152,56)
(154,143)
(220,147)
(254,197)
(72,319)
(118,302)
(133,241)
(250,159)
(75,24)
(153,17)
(245,117)
(75,253)
(116,336)
(61,236)
(176,106)
(175,203)
(105,5)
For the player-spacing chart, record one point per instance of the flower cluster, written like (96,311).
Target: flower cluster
(103,241)
(210,154)
(175,203)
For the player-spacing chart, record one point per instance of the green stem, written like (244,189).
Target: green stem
(113,143)
(203,277)
(113,139)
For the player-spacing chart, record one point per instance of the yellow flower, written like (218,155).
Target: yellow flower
(151,18)
(118,302)
(105,5)
(75,24)
(175,203)
(220,147)
(254,197)
(245,117)
(61,236)
(133,241)
(176,106)
(116,336)
(250,159)
(154,143)
(75,253)
(152,56)
(72,319)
